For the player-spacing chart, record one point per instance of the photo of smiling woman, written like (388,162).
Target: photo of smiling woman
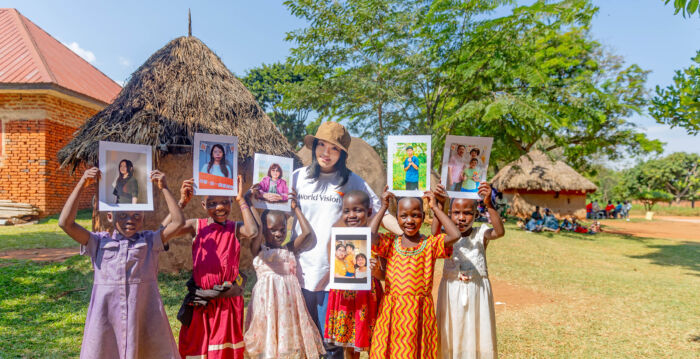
(271,178)
(126,188)
(320,187)
(215,165)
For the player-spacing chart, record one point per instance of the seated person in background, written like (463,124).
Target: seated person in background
(609,210)
(550,221)
(568,223)
(594,228)
(535,222)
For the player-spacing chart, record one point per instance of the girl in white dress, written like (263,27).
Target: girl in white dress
(465,310)
(278,324)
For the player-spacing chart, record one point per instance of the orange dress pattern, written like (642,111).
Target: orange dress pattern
(406,327)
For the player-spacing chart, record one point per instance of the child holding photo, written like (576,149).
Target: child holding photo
(216,325)
(466,320)
(352,314)
(406,327)
(410,166)
(217,165)
(273,188)
(278,324)
(125,318)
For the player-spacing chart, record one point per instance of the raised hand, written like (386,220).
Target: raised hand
(158,178)
(432,201)
(387,196)
(293,200)
(440,193)
(485,193)
(239,196)
(91,175)
(186,191)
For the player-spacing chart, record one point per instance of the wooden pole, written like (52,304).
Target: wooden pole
(189,23)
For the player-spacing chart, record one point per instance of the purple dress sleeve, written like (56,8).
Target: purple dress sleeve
(265,184)
(282,189)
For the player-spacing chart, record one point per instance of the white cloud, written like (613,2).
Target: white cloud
(88,55)
(124,61)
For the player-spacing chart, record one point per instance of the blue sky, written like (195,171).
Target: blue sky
(118,36)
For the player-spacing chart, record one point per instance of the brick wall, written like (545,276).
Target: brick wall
(35,127)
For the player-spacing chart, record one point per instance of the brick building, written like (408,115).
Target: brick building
(46,93)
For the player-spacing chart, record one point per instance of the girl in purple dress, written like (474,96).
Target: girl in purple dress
(126,318)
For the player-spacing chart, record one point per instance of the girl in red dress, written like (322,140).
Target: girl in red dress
(352,313)
(216,328)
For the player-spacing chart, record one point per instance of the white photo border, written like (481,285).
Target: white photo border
(464,140)
(363,231)
(198,138)
(392,141)
(284,162)
(105,146)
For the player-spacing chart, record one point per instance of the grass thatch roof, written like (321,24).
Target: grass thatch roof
(537,172)
(181,89)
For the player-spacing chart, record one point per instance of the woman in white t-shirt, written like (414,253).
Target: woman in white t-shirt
(319,188)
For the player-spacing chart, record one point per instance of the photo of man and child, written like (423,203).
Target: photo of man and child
(125,184)
(272,177)
(215,164)
(408,164)
(350,265)
(464,165)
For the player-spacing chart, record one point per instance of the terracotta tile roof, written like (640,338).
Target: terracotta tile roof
(29,55)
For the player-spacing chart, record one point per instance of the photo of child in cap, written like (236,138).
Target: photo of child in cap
(411,165)
(408,162)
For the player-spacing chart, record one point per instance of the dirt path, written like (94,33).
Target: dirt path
(684,228)
(41,254)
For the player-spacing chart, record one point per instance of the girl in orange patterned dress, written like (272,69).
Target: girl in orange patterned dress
(352,314)
(406,327)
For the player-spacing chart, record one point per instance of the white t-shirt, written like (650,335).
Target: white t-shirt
(321,202)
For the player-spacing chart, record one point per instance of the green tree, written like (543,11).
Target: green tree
(531,79)
(608,182)
(688,7)
(639,184)
(679,104)
(677,174)
(267,83)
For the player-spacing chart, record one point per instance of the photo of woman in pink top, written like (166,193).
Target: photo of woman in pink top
(273,188)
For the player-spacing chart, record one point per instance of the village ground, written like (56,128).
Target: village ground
(632,293)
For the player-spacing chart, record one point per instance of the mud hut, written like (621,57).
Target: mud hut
(181,89)
(536,180)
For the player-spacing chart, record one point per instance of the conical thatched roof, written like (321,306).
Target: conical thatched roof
(537,172)
(181,89)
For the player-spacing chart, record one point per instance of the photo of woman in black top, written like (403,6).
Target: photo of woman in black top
(126,189)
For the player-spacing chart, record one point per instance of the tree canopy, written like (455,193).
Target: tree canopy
(530,78)
(679,103)
(687,7)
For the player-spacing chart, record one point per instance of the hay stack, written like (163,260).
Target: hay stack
(181,89)
(535,180)
(363,160)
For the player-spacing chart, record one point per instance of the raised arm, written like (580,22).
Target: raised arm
(498,230)
(175,212)
(190,226)
(441,198)
(257,241)
(249,230)
(451,231)
(306,229)
(377,218)
(70,210)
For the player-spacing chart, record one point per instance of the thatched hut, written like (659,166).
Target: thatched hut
(181,89)
(535,180)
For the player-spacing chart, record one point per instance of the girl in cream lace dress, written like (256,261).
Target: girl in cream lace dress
(466,318)
(278,324)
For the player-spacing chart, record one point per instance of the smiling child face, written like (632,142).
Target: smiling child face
(462,213)
(275,173)
(275,230)
(472,163)
(127,223)
(409,152)
(217,207)
(354,212)
(360,261)
(340,252)
(410,215)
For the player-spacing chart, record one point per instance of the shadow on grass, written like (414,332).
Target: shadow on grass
(684,254)
(43,306)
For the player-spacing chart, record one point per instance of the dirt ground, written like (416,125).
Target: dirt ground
(41,254)
(683,228)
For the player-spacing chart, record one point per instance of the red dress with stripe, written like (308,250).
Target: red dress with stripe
(216,330)
(406,327)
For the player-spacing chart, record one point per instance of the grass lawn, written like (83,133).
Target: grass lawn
(609,296)
(665,210)
(45,234)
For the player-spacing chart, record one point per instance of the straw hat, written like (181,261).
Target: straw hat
(331,132)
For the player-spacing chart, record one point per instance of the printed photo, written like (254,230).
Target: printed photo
(350,269)
(408,165)
(465,163)
(271,178)
(215,165)
(124,182)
